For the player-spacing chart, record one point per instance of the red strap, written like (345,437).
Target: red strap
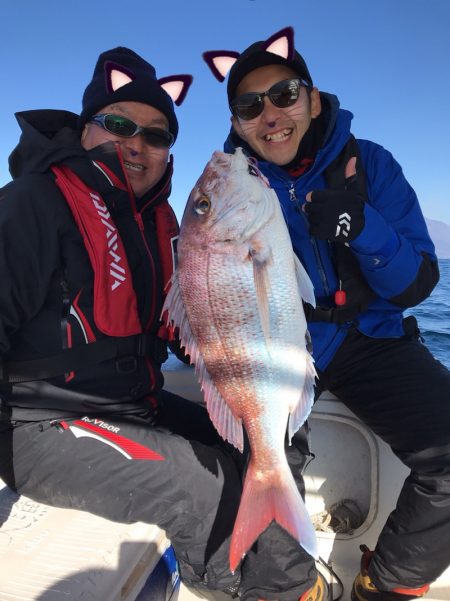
(115,304)
(167,236)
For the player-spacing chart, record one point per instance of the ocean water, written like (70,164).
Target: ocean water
(433,316)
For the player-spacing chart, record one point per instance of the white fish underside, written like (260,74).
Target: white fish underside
(249,370)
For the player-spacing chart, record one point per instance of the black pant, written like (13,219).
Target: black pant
(402,393)
(395,386)
(182,477)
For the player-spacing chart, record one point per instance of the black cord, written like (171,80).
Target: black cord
(336,577)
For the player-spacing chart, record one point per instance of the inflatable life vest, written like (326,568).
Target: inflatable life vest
(115,304)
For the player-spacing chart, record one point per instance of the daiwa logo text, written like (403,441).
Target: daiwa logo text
(343,226)
(116,272)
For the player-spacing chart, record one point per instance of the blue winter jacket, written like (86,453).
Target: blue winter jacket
(394,250)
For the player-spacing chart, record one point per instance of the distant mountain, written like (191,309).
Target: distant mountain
(440,234)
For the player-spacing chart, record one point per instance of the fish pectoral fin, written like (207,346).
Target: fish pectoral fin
(261,260)
(300,412)
(305,287)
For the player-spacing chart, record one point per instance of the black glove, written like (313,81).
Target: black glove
(336,215)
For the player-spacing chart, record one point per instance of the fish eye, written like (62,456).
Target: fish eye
(202,205)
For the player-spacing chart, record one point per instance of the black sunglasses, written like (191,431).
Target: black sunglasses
(121,126)
(283,94)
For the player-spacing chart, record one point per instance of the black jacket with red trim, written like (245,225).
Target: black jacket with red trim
(47,278)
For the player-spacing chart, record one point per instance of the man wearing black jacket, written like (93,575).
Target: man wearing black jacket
(86,248)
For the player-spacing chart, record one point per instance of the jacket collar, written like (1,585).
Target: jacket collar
(106,171)
(51,137)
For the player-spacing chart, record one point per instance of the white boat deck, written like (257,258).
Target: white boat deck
(51,554)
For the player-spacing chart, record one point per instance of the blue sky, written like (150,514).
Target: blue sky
(387,61)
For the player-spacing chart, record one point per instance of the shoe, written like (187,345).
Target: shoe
(365,590)
(318,592)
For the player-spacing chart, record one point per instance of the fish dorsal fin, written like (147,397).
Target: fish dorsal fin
(220,62)
(300,412)
(176,86)
(305,287)
(226,423)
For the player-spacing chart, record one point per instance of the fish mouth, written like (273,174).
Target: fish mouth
(279,136)
(134,167)
(253,210)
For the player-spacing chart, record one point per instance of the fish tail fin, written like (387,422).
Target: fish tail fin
(264,501)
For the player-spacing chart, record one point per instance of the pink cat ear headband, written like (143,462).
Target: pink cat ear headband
(279,49)
(121,75)
(176,86)
(221,61)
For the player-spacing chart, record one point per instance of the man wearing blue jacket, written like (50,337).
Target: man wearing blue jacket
(356,225)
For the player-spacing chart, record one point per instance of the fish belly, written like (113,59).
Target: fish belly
(258,371)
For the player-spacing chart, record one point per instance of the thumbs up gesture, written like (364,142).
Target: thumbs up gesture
(337,215)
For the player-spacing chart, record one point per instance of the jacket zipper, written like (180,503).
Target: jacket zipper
(320,267)
(66,330)
(138,219)
(140,223)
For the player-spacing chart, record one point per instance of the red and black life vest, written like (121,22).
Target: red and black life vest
(115,309)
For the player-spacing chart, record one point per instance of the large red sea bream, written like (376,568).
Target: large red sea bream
(236,298)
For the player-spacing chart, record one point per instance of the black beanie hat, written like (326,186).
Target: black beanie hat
(256,56)
(144,86)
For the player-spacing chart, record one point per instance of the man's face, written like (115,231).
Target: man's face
(144,164)
(276,133)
